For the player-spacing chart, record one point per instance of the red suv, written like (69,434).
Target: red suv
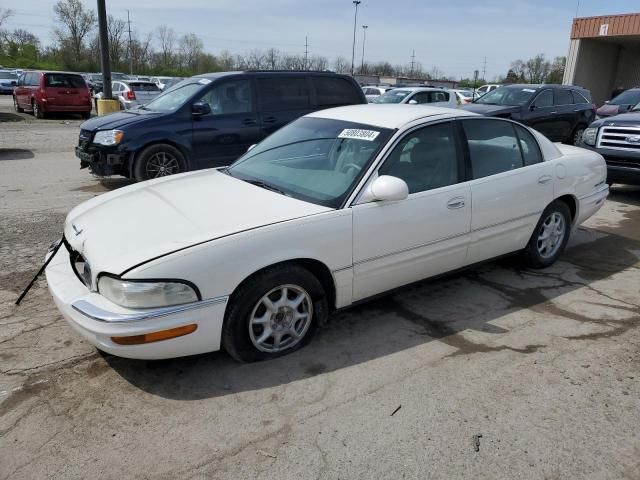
(45,92)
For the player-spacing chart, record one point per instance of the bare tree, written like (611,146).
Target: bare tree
(75,23)
(537,69)
(341,65)
(272,58)
(191,48)
(117,43)
(5,14)
(21,38)
(167,38)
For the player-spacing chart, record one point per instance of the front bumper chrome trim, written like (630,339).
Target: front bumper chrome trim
(96,313)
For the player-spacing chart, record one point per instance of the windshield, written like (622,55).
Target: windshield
(630,97)
(508,96)
(392,96)
(9,75)
(174,98)
(317,160)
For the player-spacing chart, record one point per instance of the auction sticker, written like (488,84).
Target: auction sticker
(356,133)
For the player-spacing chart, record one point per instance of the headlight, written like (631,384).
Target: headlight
(108,137)
(589,136)
(145,294)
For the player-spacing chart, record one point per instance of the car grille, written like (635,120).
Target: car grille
(79,265)
(85,138)
(620,138)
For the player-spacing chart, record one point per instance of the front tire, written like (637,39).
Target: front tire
(550,236)
(273,313)
(576,136)
(157,161)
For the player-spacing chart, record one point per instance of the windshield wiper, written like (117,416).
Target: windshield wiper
(266,186)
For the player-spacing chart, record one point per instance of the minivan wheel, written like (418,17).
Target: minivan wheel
(549,237)
(37,111)
(157,161)
(16,107)
(273,313)
(576,139)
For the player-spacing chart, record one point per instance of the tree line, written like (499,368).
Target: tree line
(165,52)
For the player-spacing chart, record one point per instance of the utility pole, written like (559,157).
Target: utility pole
(364,40)
(484,69)
(353,50)
(306,52)
(130,50)
(577,8)
(413,61)
(104,50)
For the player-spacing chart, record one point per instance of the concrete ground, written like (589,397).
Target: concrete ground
(543,364)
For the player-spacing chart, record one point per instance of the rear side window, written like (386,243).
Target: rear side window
(578,98)
(431,97)
(32,79)
(493,147)
(63,80)
(144,87)
(529,146)
(545,99)
(283,93)
(334,91)
(563,97)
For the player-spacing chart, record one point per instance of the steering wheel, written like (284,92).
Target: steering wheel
(349,166)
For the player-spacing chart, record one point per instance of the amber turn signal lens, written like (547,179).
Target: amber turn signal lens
(155,336)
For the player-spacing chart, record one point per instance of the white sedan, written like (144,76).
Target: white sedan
(338,206)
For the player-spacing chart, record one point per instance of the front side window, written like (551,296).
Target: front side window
(425,159)
(493,147)
(175,98)
(431,97)
(312,159)
(229,97)
(544,100)
(393,96)
(283,93)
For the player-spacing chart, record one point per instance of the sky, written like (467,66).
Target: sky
(454,35)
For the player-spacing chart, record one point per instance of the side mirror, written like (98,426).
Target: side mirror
(200,108)
(413,102)
(532,108)
(386,188)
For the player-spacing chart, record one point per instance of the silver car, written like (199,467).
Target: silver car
(435,97)
(134,93)
(374,91)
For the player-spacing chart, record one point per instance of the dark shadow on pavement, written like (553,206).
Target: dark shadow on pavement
(10,117)
(430,310)
(15,154)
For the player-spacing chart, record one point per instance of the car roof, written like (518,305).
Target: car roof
(388,116)
(420,89)
(215,75)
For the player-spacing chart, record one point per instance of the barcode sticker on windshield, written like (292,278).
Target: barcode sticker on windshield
(529,90)
(356,133)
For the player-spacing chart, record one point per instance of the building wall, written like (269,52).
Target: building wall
(595,67)
(628,71)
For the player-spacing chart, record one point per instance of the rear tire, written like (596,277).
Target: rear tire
(157,161)
(37,111)
(16,107)
(252,331)
(550,236)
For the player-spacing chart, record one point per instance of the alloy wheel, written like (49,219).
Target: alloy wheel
(577,137)
(280,319)
(161,164)
(551,235)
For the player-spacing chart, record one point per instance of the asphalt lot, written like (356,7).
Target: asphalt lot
(545,365)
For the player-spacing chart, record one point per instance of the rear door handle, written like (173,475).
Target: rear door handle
(270,120)
(544,179)
(249,121)
(455,203)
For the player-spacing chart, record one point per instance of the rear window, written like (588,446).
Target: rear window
(63,80)
(334,91)
(8,75)
(564,97)
(578,98)
(283,93)
(144,87)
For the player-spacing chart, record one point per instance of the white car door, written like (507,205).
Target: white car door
(511,186)
(396,243)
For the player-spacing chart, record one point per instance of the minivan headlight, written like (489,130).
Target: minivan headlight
(136,294)
(108,137)
(589,136)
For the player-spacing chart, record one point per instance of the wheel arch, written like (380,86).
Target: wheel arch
(572,203)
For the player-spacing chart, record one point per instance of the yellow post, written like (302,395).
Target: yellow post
(105,107)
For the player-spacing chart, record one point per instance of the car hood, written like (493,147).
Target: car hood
(491,110)
(130,226)
(118,120)
(631,118)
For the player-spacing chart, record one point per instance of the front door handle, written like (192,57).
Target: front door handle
(270,120)
(249,121)
(545,179)
(455,203)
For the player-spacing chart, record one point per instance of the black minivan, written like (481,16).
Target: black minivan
(207,121)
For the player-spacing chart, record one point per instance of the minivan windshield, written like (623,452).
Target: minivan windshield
(508,95)
(630,97)
(174,98)
(317,160)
